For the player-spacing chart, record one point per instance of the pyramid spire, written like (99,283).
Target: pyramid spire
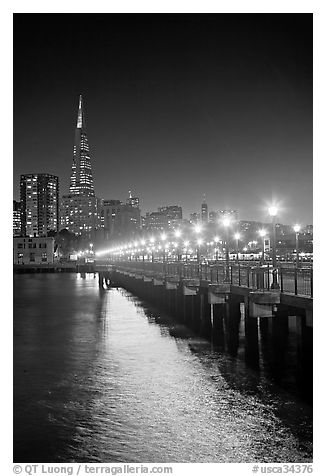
(80,118)
(81,179)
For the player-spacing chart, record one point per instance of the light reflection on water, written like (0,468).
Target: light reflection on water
(100,377)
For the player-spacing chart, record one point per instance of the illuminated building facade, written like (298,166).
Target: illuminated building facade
(165,219)
(16,219)
(232,214)
(39,198)
(36,250)
(79,214)
(133,201)
(194,218)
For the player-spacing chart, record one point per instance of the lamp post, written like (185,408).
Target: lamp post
(297,229)
(186,244)
(237,237)
(273,212)
(163,238)
(152,242)
(262,233)
(216,240)
(177,235)
(226,223)
(199,242)
(143,242)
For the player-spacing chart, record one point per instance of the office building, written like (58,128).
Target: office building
(120,221)
(39,199)
(16,219)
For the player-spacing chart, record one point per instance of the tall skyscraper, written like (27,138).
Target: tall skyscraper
(79,211)
(39,198)
(204,211)
(81,179)
(133,201)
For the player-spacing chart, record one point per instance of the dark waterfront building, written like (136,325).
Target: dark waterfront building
(16,218)
(118,220)
(79,210)
(39,198)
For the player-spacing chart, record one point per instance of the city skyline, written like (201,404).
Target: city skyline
(177,114)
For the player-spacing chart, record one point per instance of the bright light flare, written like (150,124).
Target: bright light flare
(226,221)
(262,233)
(197,228)
(297,228)
(273,211)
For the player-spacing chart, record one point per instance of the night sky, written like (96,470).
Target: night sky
(176,106)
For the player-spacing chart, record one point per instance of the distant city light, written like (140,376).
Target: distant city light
(297,228)
(262,233)
(237,236)
(226,221)
(197,228)
(273,211)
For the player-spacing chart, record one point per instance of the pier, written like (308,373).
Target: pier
(200,298)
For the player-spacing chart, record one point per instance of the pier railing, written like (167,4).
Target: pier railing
(291,280)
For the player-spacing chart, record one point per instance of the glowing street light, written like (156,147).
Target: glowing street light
(297,229)
(197,229)
(199,243)
(177,233)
